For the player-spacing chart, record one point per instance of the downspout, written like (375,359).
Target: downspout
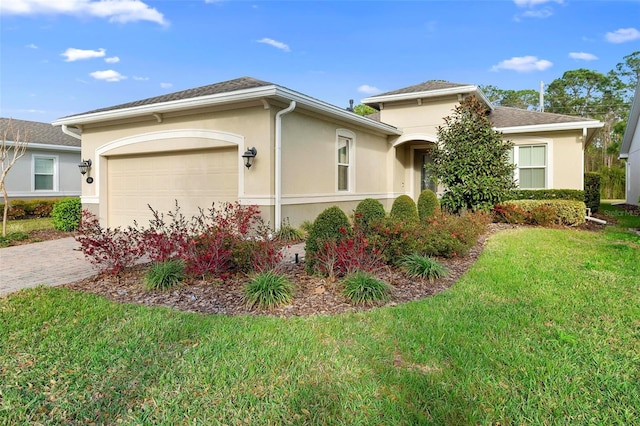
(278,161)
(69,132)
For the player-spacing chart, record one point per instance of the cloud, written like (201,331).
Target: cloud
(623,35)
(534,3)
(534,11)
(368,90)
(136,78)
(523,64)
(540,14)
(73,54)
(276,44)
(31,46)
(583,56)
(108,75)
(112,60)
(120,11)
(166,85)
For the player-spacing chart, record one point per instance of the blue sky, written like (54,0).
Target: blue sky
(62,57)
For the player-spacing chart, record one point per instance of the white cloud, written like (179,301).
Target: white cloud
(523,64)
(73,54)
(112,60)
(533,3)
(31,46)
(368,90)
(136,78)
(108,75)
(583,56)
(120,11)
(623,35)
(166,85)
(541,13)
(276,44)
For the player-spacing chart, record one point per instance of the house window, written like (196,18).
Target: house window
(531,166)
(44,173)
(344,153)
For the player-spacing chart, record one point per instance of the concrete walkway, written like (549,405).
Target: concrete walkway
(49,263)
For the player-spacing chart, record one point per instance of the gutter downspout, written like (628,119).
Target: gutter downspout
(69,132)
(278,161)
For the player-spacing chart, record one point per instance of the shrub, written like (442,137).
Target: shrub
(288,233)
(404,209)
(417,266)
(66,214)
(110,250)
(268,290)
(25,209)
(592,191)
(364,289)
(165,275)
(568,212)
(330,225)
(509,212)
(544,215)
(428,204)
(452,235)
(11,237)
(395,238)
(367,212)
(546,194)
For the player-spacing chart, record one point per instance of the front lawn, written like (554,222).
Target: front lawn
(543,329)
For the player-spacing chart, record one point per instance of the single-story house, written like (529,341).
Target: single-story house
(49,167)
(630,151)
(259,143)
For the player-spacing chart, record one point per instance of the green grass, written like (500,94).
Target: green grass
(28,225)
(543,329)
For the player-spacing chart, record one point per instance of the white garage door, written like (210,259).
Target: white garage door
(194,178)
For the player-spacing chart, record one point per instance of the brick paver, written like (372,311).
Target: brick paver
(49,263)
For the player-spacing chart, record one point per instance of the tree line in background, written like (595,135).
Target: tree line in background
(585,93)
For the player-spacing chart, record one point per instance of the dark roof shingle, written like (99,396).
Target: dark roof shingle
(426,86)
(511,117)
(37,132)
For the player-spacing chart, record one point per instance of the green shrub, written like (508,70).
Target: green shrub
(428,204)
(404,209)
(330,225)
(395,238)
(27,209)
(66,214)
(367,212)
(11,237)
(306,226)
(568,212)
(447,235)
(268,290)
(165,275)
(364,289)
(546,194)
(418,266)
(592,191)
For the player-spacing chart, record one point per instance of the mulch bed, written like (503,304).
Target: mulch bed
(314,295)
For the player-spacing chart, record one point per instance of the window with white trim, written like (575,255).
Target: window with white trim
(344,162)
(531,166)
(44,173)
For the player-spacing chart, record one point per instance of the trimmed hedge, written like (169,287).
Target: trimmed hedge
(547,194)
(29,209)
(404,209)
(66,214)
(368,211)
(428,204)
(330,225)
(592,190)
(570,212)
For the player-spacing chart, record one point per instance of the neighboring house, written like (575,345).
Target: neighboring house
(49,167)
(188,146)
(630,151)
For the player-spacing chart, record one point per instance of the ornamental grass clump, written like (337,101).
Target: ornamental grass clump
(364,289)
(417,266)
(268,290)
(165,275)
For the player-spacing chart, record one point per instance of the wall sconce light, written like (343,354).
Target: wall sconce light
(85,166)
(249,155)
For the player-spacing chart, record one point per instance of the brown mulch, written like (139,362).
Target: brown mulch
(313,296)
(42,235)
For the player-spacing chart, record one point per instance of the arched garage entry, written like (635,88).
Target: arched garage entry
(193,167)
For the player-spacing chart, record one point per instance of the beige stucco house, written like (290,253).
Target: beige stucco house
(189,145)
(630,151)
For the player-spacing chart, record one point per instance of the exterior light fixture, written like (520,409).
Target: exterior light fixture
(85,166)
(248,156)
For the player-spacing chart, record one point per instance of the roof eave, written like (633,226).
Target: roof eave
(429,94)
(271,91)
(575,125)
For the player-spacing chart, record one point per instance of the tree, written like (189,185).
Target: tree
(472,159)
(14,145)
(363,110)
(528,99)
(629,71)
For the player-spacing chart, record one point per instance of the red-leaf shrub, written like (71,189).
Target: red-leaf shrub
(396,238)
(509,213)
(452,235)
(348,255)
(110,250)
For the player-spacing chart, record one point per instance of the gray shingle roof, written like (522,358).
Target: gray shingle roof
(427,86)
(511,117)
(38,132)
(211,89)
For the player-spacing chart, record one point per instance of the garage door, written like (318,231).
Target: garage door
(194,178)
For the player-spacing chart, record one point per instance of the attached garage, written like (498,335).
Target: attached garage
(195,178)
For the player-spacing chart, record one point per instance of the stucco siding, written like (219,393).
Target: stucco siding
(633,169)
(423,118)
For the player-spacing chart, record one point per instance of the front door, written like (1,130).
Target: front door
(423,178)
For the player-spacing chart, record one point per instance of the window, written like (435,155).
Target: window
(531,166)
(344,148)
(44,173)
